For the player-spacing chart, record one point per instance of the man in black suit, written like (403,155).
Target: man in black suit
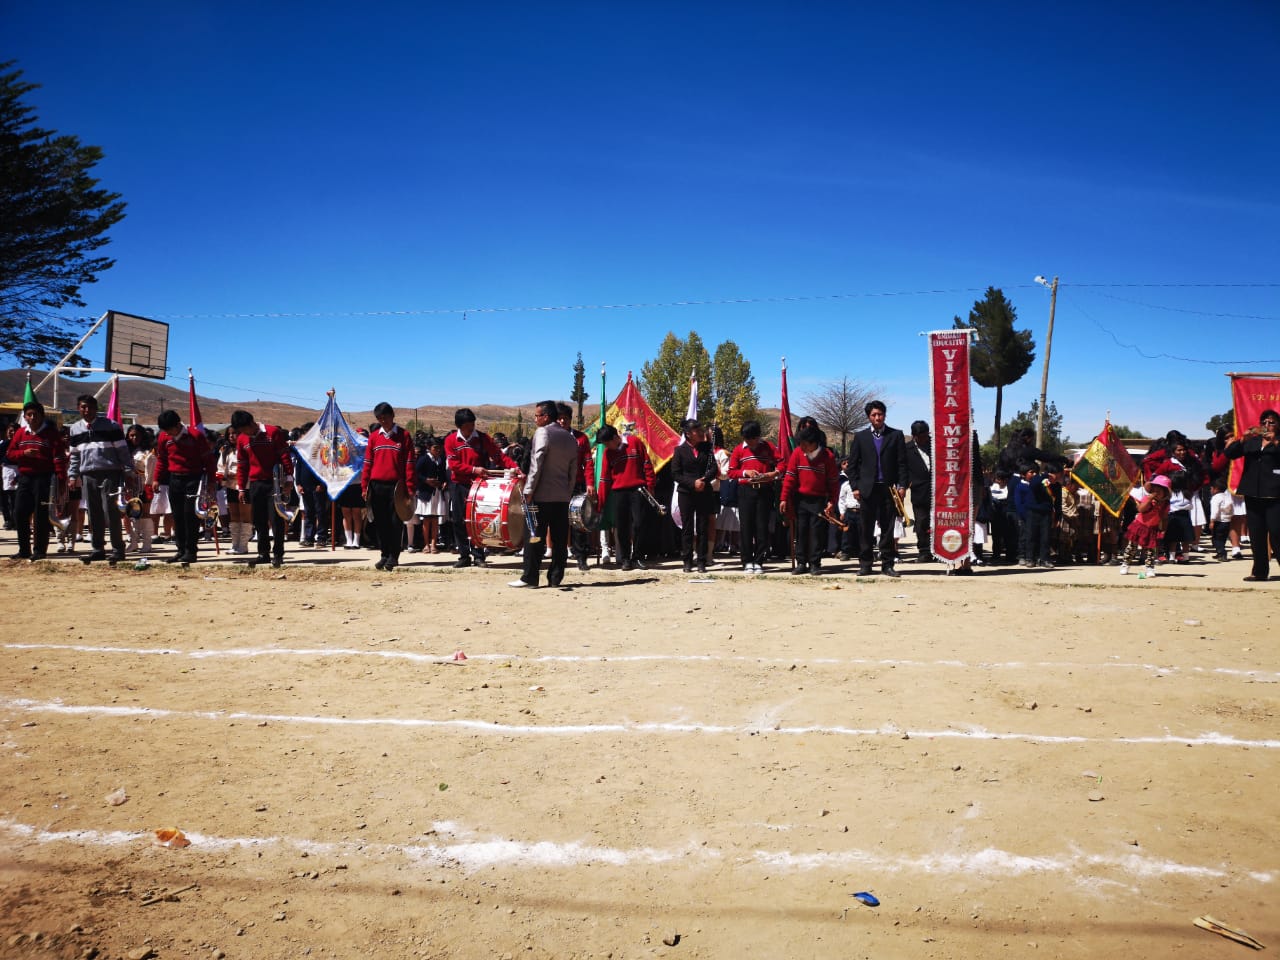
(877,461)
(920,476)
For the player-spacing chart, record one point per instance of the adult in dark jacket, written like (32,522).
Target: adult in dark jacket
(878,462)
(1260,487)
(693,468)
(920,478)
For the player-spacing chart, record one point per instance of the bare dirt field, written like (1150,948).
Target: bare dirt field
(1060,764)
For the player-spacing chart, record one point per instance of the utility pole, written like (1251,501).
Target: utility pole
(1048,348)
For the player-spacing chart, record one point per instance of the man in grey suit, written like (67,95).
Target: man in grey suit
(553,468)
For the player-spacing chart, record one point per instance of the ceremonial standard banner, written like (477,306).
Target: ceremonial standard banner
(952,528)
(630,407)
(1107,471)
(1250,395)
(333,451)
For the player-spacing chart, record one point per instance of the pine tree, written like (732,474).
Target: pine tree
(579,394)
(1002,355)
(736,398)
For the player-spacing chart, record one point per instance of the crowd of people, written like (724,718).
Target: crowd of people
(749,506)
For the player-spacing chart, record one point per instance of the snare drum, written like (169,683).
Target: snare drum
(495,513)
(584,515)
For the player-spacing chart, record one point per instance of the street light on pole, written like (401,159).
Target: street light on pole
(1048,348)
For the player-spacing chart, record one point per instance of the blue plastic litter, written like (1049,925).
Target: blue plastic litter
(864,897)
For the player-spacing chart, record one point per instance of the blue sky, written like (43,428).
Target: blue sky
(371,174)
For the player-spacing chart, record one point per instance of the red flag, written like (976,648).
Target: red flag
(785,443)
(660,439)
(194,422)
(1250,395)
(113,405)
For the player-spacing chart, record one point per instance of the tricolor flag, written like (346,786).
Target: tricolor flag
(785,443)
(333,451)
(658,437)
(113,405)
(1107,471)
(195,423)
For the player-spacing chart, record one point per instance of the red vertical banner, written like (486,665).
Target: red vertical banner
(952,462)
(1250,395)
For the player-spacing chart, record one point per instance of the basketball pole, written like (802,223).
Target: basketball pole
(59,367)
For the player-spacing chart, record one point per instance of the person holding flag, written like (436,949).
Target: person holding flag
(99,460)
(627,471)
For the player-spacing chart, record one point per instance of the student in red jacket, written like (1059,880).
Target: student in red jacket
(388,460)
(626,470)
(261,449)
(183,459)
(470,454)
(39,453)
(809,492)
(754,464)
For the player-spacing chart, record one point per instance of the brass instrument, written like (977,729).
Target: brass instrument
(900,506)
(206,503)
(280,499)
(61,506)
(653,501)
(761,479)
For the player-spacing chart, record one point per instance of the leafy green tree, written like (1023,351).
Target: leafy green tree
(1125,433)
(1222,420)
(664,380)
(579,394)
(53,219)
(1054,442)
(1001,355)
(736,398)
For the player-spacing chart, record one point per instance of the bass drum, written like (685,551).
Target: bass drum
(584,514)
(495,514)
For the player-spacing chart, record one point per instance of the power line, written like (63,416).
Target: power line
(1199,313)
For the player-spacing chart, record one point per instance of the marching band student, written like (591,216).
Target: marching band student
(627,470)
(260,448)
(182,459)
(579,540)
(755,465)
(693,468)
(811,486)
(99,460)
(469,453)
(39,453)
(388,461)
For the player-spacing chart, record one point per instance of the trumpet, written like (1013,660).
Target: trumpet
(900,506)
(280,499)
(653,501)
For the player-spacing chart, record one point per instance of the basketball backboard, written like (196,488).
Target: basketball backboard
(137,346)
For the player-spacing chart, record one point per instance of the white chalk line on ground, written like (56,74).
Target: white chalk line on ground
(462,849)
(1208,739)
(1261,676)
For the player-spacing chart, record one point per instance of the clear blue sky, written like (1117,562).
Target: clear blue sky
(315,159)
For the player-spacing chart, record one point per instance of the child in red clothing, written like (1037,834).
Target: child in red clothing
(1147,528)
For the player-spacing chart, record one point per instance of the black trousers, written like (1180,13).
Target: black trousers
(627,514)
(921,503)
(458,493)
(755,505)
(382,501)
(268,524)
(552,520)
(101,493)
(696,511)
(182,500)
(1263,518)
(31,499)
(811,529)
(878,507)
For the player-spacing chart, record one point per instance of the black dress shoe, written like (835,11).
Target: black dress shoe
(800,570)
(277,564)
(702,568)
(865,572)
(176,558)
(890,572)
(582,565)
(380,565)
(688,567)
(462,562)
(628,564)
(1252,579)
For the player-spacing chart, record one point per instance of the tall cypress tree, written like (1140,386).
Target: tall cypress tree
(1002,355)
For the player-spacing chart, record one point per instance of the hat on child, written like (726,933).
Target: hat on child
(1162,481)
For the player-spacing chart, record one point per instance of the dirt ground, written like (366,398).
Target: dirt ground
(1064,763)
